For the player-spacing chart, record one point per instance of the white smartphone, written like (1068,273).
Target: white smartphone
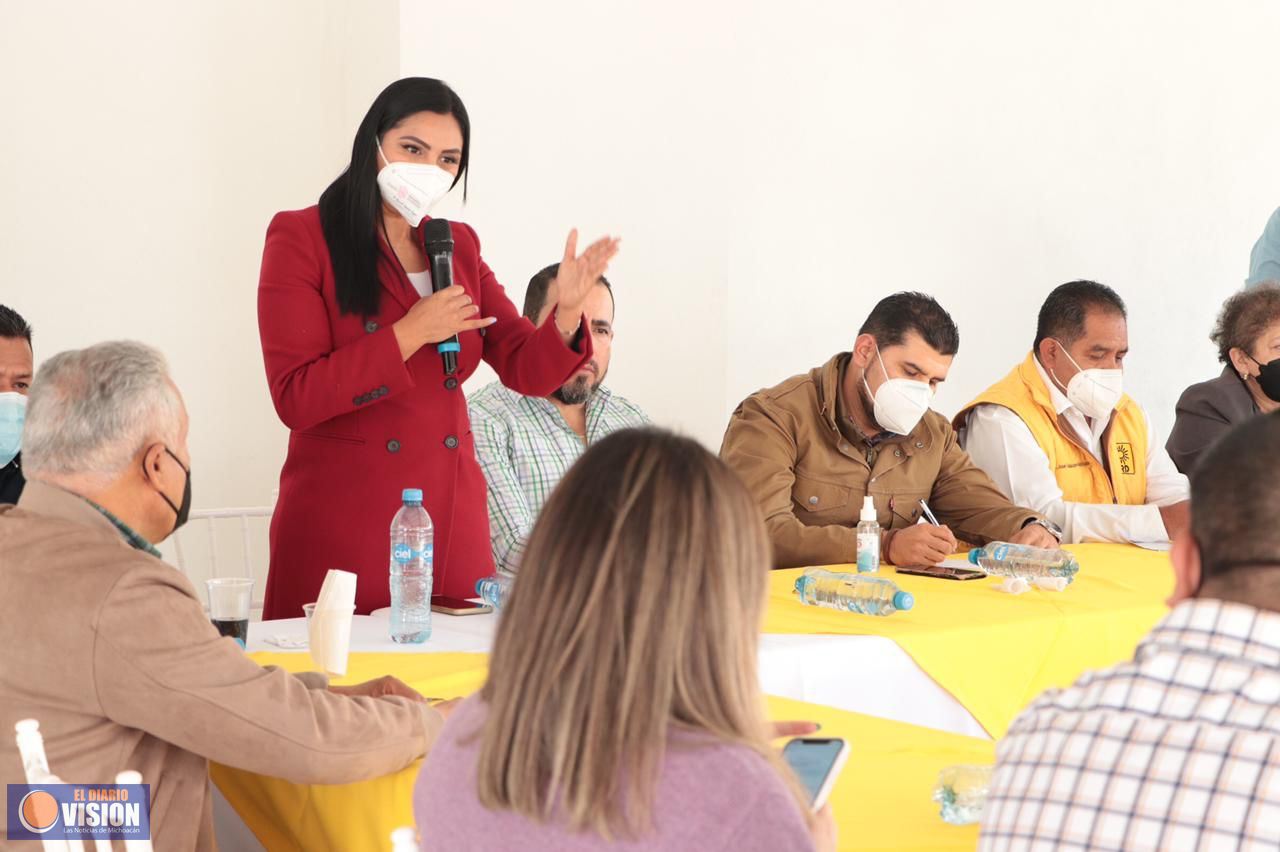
(817,762)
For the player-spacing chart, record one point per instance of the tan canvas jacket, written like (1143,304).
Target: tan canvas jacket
(810,480)
(110,650)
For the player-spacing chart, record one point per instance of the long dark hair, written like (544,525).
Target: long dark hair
(350,208)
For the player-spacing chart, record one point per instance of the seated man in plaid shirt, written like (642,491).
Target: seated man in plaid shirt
(1180,748)
(526,444)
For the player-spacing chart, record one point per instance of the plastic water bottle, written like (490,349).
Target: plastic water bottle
(1002,559)
(412,554)
(868,538)
(493,590)
(851,592)
(962,793)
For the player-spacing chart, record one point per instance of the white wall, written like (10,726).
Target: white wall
(986,152)
(145,147)
(607,117)
(774,171)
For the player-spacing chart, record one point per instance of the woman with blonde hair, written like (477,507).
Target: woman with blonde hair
(623,705)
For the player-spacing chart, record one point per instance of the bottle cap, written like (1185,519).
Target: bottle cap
(974,554)
(903,600)
(412,495)
(868,509)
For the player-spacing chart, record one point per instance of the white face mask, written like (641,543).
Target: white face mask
(1096,392)
(899,403)
(412,188)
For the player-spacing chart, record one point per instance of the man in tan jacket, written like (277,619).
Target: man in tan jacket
(109,648)
(813,447)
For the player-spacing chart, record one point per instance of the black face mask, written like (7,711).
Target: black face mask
(1269,377)
(183,511)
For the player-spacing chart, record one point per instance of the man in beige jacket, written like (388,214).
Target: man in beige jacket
(812,448)
(109,648)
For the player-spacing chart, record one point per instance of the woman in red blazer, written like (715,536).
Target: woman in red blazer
(349,325)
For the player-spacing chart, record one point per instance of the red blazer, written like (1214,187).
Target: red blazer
(364,424)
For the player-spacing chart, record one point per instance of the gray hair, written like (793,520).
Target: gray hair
(1244,318)
(91,410)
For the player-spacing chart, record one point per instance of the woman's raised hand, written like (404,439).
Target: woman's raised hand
(578,274)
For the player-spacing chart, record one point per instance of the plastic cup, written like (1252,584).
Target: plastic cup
(329,638)
(230,600)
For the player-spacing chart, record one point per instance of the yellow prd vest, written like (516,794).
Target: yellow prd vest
(1080,475)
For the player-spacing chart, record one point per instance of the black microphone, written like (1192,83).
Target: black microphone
(437,243)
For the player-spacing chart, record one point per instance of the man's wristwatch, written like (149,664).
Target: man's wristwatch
(1054,529)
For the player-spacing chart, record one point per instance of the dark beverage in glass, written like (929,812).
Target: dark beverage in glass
(230,603)
(236,628)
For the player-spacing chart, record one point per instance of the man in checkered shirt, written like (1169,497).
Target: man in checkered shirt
(526,444)
(1180,748)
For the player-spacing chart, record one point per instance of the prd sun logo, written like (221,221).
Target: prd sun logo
(38,811)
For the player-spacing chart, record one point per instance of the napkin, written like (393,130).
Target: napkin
(281,640)
(329,637)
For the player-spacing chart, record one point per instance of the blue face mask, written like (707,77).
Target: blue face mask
(13,411)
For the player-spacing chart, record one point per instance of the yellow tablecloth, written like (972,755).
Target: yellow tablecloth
(882,800)
(316,817)
(994,651)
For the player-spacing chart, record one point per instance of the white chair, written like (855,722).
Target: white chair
(250,519)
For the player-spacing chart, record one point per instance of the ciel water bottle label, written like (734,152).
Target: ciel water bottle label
(403,553)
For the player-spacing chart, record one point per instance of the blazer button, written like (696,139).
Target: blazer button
(393,446)
(897,453)
(451,442)
(450,383)
(370,326)
(813,501)
(919,445)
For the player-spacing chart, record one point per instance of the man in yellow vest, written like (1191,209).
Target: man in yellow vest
(1059,435)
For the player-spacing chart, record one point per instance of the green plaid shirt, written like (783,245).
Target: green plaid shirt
(135,541)
(524,447)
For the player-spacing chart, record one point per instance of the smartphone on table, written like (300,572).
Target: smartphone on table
(458,606)
(817,762)
(942,572)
